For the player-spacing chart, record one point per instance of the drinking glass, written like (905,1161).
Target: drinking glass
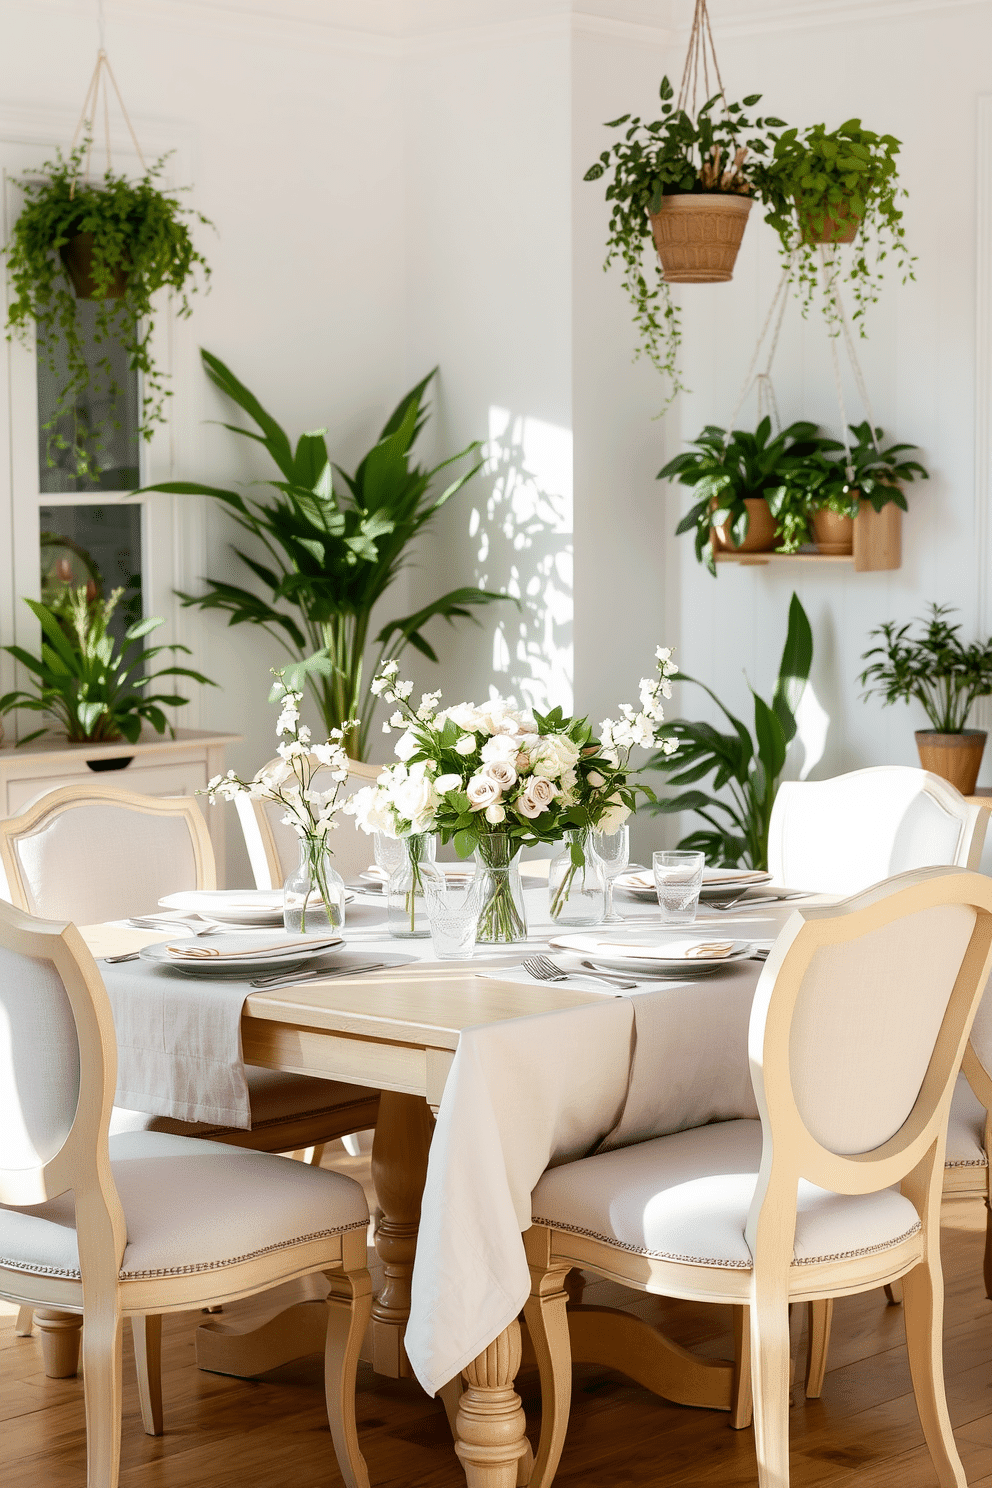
(453,907)
(678,877)
(613,851)
(389,853)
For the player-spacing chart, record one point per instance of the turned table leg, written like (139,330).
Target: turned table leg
(490,1438)
(399,1169)
(61,1335)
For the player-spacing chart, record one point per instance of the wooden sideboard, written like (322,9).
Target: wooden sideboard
(159,766)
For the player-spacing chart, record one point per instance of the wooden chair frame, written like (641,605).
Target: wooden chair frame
(15,828)
(82,1165)
(913,1157)
(263,854)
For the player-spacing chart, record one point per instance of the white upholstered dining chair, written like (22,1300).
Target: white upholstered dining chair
(274,849)
(146,1223)
(800,1204)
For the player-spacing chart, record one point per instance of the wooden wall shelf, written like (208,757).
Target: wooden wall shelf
(877,545)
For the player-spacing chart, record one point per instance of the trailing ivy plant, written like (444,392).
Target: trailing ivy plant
(672,154)
(813,178)
(138,230)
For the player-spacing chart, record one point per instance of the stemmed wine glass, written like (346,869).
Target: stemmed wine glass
(613,851)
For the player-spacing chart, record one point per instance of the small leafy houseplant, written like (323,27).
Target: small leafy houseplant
(838,480)
(328,551)
(117,242)
(946,677)
(836,186)
(672,155)
(748,768)
(97,690)
(728,470)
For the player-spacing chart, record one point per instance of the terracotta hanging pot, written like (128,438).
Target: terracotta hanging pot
(840,229)
(77,255)
(697,235)
(954,757)
(832,533)
(760,532)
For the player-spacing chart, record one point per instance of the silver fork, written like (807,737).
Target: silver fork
(152,922)
(542,969)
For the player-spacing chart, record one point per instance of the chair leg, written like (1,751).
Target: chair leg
(923,1299)
(25,1322)
(147,1333)
(770,1364)
(821,1316)
(314,1155)
(742,1404)
(547,1323)
(61,1333)
(893,1291)
(102,1395)
(349,1305)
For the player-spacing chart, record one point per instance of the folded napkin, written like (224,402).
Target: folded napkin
(676,950)
(200,952)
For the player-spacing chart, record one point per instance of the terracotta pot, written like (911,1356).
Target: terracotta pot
(77,255)
(833,534)
(697,235)
(760,532)
(840,229)
(954,757)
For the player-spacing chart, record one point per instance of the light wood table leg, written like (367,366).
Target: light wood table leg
(61,1335)
(399,1170)
(490,1439)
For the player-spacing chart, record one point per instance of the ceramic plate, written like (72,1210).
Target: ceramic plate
(246,966)
(718,883)
(646,955)
(248,907)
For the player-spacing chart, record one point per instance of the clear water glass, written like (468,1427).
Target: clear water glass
(389,853)
(678,877)
(613,851)
(453,908)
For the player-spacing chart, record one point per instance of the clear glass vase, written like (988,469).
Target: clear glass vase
(502,917)
(406,907)
(576,886)
(313,894)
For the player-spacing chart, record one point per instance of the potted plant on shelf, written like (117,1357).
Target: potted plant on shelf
(95,688)
(737,477)
(838,483)
(945,676)
(686,183)
(826,187)
(114,241)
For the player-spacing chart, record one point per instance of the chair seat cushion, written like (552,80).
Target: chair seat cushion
(686,1198)
(275,1096)
(190,1206)
(966,1129)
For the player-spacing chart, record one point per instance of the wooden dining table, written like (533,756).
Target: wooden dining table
(398,1030)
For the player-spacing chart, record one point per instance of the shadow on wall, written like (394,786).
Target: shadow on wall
(521,531)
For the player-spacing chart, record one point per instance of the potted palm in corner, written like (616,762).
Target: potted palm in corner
(945,676)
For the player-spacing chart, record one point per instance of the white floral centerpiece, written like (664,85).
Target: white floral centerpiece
(315,893)
(494,778)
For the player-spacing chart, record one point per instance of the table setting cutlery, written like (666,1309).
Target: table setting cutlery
(743,901)
(126,956)
(169,922)
(284,979)
(543,969)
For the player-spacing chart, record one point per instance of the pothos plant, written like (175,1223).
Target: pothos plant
(837,481)
(137,241)
(817,184)
(675,153)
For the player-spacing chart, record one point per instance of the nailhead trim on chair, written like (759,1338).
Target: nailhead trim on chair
(74,1275)
(968,1162)
(688,1260)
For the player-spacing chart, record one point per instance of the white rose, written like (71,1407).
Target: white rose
(536,797)
(466,744)
(595,779)
(415,800)
(465,715)
(503,773)
(499,747)
(482,791)
(405,746)
(495,815)
(445,783)
(612,820)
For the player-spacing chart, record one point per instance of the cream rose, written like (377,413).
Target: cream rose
(536,797)
(445,783)
(502,772)
(466,744)
(495,815)
(482,791)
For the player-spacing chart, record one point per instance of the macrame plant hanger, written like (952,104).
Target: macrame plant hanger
(99,85)
(699,57)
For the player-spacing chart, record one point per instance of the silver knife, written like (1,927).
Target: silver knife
(280,978)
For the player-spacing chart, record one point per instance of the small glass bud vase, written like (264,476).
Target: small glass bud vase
(406,907)
(502,917)
(313,895)
(576,886)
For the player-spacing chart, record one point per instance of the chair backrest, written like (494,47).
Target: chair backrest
(840,836)
(274,849)
(89,853)
(58,1068)
(858,1029)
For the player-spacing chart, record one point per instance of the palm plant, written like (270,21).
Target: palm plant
(749,768)
(945,676)
(331,554)
(95,690)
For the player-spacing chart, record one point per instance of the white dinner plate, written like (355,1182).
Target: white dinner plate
(645,953)
(718,883)
(245,966)
(251,908)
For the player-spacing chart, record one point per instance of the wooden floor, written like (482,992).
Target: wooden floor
(272,1433)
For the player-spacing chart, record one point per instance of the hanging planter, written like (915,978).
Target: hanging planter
(112,241)
(683,182)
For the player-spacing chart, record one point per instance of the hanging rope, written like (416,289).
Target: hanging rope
(700,53)
(832,291)
(102,73)
(763,379)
